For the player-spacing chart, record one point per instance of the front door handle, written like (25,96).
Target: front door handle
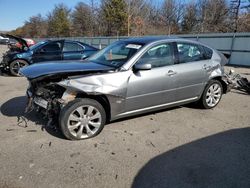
(171,73)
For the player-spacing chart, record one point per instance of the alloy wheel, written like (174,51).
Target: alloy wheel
(213,95)
(17,66)
(84,121)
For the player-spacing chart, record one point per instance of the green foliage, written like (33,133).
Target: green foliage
(115,16)
(59,22)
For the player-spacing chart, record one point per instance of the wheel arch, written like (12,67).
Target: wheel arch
(19,59)
(102,99)
(220,79)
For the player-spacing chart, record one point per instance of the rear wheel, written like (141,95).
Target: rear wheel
(212,94)
(16,65)
(82,119)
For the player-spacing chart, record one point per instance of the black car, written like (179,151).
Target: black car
(48,50)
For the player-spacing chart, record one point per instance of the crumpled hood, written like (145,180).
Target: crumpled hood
(19,54)
(62,67)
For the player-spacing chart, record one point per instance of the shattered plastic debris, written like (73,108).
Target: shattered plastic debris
(21,120)
(31,165)
(74,154)
(148,142)
(239,82)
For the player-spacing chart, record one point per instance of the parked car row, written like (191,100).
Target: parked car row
(25,53)
(127,78)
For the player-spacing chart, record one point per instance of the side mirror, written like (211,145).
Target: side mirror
(140,66)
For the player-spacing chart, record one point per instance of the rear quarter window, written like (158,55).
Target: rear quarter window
(208,52)
(87,47)
(189,52)
(72,47)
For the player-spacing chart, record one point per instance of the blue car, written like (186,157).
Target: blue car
(48,50)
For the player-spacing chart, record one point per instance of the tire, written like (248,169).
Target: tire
(75,119)
(212,94)
(16,65)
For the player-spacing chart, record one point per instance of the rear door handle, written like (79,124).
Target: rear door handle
(171,73)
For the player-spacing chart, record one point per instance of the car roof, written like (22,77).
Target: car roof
(149,39)
(82,43)
(71,41)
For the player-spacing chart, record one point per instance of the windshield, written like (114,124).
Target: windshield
(33,47)
(116,54)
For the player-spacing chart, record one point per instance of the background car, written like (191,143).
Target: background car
(29,42)
(49,50)
(127,78)
(4,40)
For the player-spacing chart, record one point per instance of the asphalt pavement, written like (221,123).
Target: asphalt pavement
(179,147)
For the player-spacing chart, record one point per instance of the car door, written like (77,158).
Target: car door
(149,88)
(73,51)
(191,72)
(52,51)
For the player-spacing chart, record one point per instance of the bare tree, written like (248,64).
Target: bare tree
(82,20)
(171,15)
(138,14)
(140,17)
(213,15)
(190,21)
(36,26)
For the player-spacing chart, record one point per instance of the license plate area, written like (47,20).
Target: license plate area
(41,102)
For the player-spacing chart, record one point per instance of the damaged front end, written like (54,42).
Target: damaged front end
(49,92)
(4,63)
(45,97)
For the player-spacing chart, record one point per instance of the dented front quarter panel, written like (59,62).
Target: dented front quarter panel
(112,85)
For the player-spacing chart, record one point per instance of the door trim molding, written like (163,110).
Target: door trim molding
(157,106)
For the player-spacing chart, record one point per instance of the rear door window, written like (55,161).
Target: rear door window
(72,47)
(189,52)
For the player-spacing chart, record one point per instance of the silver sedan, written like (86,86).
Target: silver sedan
(127,78)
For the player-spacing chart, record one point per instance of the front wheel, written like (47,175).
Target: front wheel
(16,65)
(82,119)
(212,94)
